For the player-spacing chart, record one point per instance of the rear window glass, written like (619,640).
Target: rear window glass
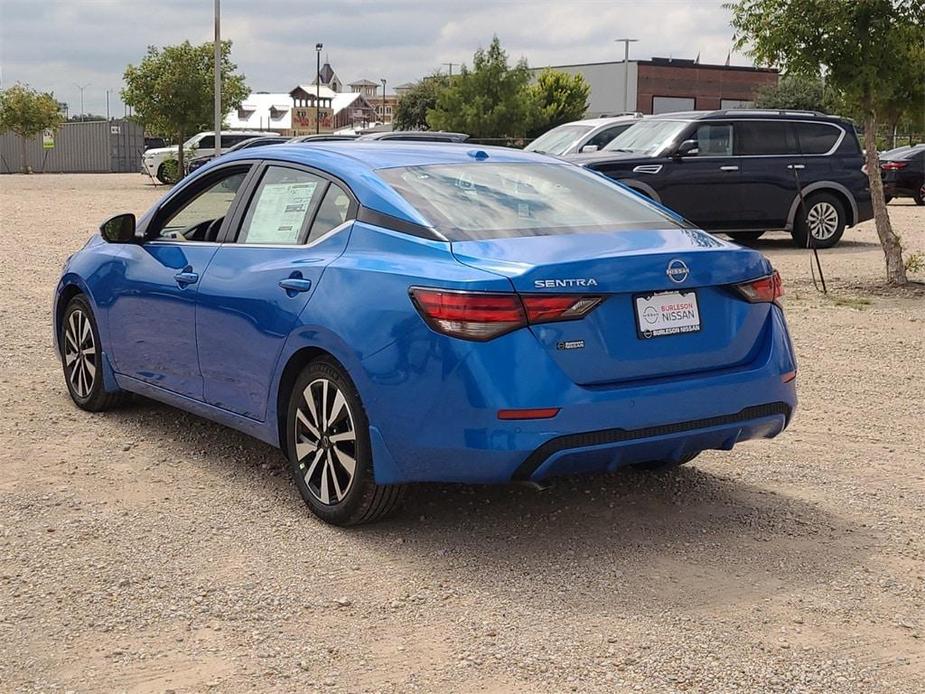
(817,138)
(765,137)
(487,200)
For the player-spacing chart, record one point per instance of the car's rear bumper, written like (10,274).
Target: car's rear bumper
(459,438)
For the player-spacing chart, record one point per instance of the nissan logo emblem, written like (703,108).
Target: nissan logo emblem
(677,271)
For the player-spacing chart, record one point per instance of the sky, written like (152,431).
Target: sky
(56,45)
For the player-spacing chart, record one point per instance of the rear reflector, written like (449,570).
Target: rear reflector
(763,290)
(485,315)
(536,413)
(788,376)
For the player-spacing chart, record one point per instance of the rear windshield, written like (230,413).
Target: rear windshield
(558,140)
(489,201)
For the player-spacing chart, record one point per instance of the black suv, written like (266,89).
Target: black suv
(736,171)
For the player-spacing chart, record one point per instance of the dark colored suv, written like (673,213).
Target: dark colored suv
(736,171)
(903,174)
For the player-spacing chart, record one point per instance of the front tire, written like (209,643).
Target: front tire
(821,222)
(82,358)
(328,447)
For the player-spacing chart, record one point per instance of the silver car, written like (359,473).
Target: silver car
(582,136)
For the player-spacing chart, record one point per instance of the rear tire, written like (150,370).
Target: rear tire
(887,198)
(663,465)
(745,236)
(919,197)
(328,447)
(821,223)
(82,358)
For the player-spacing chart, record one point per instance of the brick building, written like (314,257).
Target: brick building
(661,85)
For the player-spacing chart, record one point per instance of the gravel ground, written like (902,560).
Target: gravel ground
(149,550)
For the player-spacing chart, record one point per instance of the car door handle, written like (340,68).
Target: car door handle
(729,168)
(184,278)
(796,166)
(295,284)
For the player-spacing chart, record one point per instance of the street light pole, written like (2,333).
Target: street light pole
(383,99)
(217,107)
(626,72)
(81,88)
(318,47)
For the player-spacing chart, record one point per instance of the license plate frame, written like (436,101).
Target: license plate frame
(650,325)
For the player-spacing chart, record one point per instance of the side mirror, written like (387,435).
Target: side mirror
(687,148)
(119,229)
(587,149)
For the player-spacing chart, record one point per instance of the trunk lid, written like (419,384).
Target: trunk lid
(606,346)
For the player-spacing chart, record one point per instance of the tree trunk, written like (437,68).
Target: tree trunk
(892,249)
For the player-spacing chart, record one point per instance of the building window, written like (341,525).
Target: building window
(735,103)
(672,104)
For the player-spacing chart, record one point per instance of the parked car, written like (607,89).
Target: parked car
(736,171)
(153,161)
(582,136)
(903,174)
(198,162)
(325,137)
(415,136)
(395,313)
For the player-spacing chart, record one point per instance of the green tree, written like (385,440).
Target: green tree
(866,48)
(411,112)
(798,92)
(172,88)
(491,100)
(559,98)
(27,112)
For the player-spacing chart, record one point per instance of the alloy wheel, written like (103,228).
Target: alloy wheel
(822,220)
(325,441)
(80,360)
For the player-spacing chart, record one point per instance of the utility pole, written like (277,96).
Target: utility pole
(450,66)
(81,88)
(318,47)
(626,72)
(383,99)
(217,108)
(107,105)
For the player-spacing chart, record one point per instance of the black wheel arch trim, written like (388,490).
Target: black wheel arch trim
(823,187)
(617,435)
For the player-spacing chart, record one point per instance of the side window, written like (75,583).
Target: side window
(605,136)
(765,138)
(280,207)
(332,213)
(207,142)
(714,140)
(200,218)
(817,138)
(232,140)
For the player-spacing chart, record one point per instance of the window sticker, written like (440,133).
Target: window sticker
(280,211)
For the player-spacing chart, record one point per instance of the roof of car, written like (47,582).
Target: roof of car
(604,120)
(353,162)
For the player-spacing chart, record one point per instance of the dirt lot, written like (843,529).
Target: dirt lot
(148,550)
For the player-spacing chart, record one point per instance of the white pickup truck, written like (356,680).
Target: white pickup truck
(201,144)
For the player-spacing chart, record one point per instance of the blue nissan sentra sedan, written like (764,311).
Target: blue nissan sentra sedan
(395,313)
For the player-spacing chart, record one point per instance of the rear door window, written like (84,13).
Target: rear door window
(763,138)
(281,207)
(817,138)
(207,142)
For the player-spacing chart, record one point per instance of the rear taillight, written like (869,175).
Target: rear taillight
(485,315)
(894,165)
(762,290)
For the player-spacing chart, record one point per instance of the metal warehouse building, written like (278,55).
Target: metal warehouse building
(91,147)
